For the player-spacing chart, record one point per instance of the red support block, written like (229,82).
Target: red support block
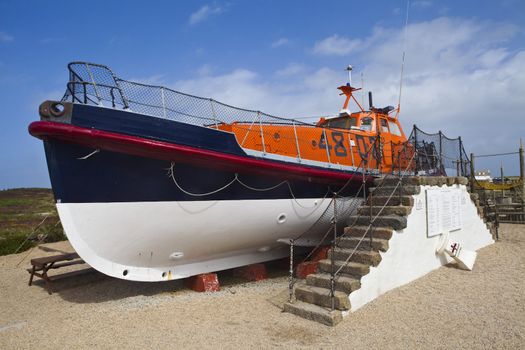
(320,254)
(254,272)
(306,268)
(206,282)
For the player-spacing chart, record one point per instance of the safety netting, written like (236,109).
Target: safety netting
(438,154)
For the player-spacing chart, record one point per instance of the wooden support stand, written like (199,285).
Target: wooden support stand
(206,282)
(41,267)
(306,268)
(320,254)
(254,272)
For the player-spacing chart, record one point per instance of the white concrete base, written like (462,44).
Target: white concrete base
(412,254)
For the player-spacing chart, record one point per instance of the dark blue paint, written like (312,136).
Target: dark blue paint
(116,177)
(135,124)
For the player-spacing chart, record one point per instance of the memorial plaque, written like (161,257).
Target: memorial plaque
(446,210)
(455,207)
(432,199)
(443,210)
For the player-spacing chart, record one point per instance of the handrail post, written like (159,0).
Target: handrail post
(461,156)
(370,218)
(249,130)
(415,149)
(163,100)
(392,157)
(332,258)
(85,92)
(262,134)
(378,153)
(441,154)
(296,141)
(351,149)
(94,84)
(290,279)
(214,115)
(522,175)
(326,144)
(472,177)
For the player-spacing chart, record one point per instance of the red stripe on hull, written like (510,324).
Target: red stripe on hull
(173,152)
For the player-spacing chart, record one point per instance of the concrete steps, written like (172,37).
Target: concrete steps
(343,283)
(321,297)
(362,245)
(365,244)
(351,268)
(388,210)
(313,300)
(314,313)
(378,232)
(391,200)
(367,257)
(393,221)
(392,190)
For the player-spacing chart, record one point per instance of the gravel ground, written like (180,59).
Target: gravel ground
(448,308)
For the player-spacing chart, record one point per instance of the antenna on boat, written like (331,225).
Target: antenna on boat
(349,69)
(403,61)
(348,90)
(362,90)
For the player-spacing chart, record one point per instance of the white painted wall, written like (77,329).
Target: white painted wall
(412,255)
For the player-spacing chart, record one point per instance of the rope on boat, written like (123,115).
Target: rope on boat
(261,189)
(89,155)
(171,173)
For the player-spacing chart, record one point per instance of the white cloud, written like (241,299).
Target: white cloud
(336,46)
(280,42)
(459,77)
(291,69)
(6,38)
(204,13)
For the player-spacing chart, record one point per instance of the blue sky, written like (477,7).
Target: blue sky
(465,63)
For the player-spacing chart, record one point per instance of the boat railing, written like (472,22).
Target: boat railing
(95,84)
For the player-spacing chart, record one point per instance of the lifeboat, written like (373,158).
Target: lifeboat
(153,184)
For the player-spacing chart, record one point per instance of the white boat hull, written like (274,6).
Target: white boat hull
(159,241)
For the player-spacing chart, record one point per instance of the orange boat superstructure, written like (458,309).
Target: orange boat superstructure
(367,139)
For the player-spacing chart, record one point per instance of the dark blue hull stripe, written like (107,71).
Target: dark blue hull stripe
(116,177)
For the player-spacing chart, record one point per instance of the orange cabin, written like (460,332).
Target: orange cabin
(347,140)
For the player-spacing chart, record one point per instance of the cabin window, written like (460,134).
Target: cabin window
(394,129)
(384,125)
(367,124)
(342,123)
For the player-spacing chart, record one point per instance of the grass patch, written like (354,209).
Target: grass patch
(21,211)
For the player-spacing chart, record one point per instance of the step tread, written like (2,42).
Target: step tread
(320,291)
(342,278)
(350,242)
(321,296)
(341,262)
(343,283)
(314,312)
(357,239)
(367,257)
